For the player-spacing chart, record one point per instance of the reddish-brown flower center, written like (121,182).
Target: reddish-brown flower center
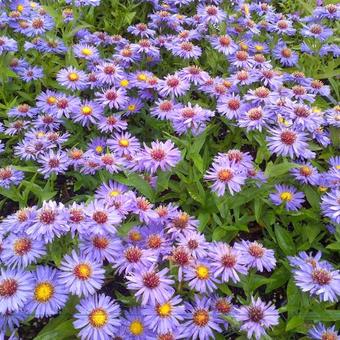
(158,154)
(193,244)
(256,250)
(187,46)
(151,280)
(133,254)
(154,241)
(316,29)
(5,173)
(8,287)
(22,246)
(225,175)
(262,92)
(201,317)
(228,260)
(172,82)
(282,24)
(242,55)
(224,41)
(321,276)
(100,242)
(255,114)
(165,106)
(47,216)
(286,52)
(100,217)
(223,306)
(288,137)
(255,314)
(211,10)
(234,104)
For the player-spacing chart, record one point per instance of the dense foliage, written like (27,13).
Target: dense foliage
(169,170)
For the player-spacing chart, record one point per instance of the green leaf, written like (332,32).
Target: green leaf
(294,322)
(285,240)
(277,170)
(325,315)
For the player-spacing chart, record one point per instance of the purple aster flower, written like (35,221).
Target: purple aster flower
(141,30)
(160,155)
(164,109)
(9,177)
(194,74)
(200,277)
(102,218)
(134,326)
(72,79)
(289,196)
(155,239)
(81,275)
(330,205)
(18,221)
(282,26)
(289,142)
(306,173)
(98,317)
(195,243)
(303,258)
(225,175)
(85,51)
(49,294)
(11,320)
(317,31)
(134,258)
(254,119)
(320,332)
(254,255)
(19,251)
(211,14)
(223,44)
(124,144)
(38,25)
(226,262)
(48,222)
(101,247)
(111,123)
(109,73)
(319,279)
(65,105)
(113,98)
(200,320)
(257,318)
(181,223)
(330,11)
(173,85)
(89,112)
(151,286)
(164,317)
(181,258)
(190,118)
(241,59)
(285,55)
(186,50)
(7,45)
(53,163)
(30,73)
(230,106)
(15,289)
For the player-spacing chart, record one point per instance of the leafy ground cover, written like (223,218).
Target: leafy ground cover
(169,170)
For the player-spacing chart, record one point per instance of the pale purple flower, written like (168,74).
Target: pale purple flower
(256,318)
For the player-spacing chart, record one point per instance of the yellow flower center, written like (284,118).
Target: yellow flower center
(43,291)
(86,110)
(259,48)
(164,310)
(124,142)
(83,271)
(20,8)
(322,188)
(142,77)
(51,100)
(33,4)
(114,193)
(136,327)
(202,272)
(337,167)
(124,82)
(41,134)
(73,76)
(132,107)
(99,149)
(86,51)
(244,46)
(286,196)
(98,318)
